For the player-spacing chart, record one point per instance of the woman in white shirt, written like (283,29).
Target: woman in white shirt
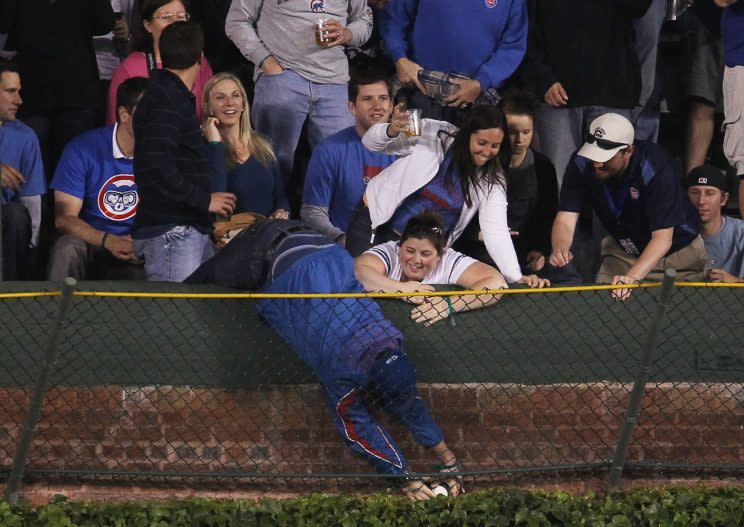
(421,259)
(453,172)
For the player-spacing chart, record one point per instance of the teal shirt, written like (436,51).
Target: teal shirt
(258,188)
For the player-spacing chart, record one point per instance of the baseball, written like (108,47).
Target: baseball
(439,491)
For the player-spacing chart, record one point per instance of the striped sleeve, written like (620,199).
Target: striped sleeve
(382,251)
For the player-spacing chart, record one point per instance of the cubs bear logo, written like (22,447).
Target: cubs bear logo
(599,133)
(634,194)
(118,198)
(369,172)
(317,6)
(490,3)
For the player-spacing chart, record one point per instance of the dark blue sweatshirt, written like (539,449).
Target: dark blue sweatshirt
(732,28)
(483,39)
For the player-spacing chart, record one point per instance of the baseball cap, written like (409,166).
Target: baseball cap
(608,134)
(708,176)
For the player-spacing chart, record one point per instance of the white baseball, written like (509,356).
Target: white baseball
(439,490)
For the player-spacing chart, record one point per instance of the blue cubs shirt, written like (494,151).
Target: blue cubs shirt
(19,148)
(648,197)
(338,173)
(93,169)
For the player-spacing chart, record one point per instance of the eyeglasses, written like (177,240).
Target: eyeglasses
(604,144)
(183,16)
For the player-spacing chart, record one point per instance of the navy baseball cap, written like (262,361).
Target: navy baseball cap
(708,176)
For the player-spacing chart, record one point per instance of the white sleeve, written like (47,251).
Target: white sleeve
(388,253)
(493,223)
(450,268)
(376,139)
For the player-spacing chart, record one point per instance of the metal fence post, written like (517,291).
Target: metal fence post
(37,399)
(639,384)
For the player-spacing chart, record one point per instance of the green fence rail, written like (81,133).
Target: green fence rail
(188,382)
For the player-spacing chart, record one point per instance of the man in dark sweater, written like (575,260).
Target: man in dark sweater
(173,225)
(581,61)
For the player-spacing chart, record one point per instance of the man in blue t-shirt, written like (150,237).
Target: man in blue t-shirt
(341,166)
(723,235)
(21,179)
(637,194)
(96,199)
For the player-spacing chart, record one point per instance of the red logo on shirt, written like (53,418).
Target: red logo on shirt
(369,173)
(491,3)
(118,198)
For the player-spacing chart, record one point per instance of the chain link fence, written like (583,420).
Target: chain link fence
(191,383)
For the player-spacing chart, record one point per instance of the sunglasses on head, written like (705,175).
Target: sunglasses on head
(604,144)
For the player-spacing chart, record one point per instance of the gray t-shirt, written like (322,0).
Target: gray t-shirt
(285,30)
(726,247)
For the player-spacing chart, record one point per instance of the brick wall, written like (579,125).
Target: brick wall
(288,429)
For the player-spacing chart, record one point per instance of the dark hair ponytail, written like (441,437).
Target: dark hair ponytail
(425,226)
(481,117)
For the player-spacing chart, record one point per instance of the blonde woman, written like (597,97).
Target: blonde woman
(243,161)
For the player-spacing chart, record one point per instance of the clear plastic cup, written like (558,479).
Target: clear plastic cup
(321,35)
(414,128)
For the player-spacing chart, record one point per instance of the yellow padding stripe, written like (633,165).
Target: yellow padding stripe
(236,296)
(30,295)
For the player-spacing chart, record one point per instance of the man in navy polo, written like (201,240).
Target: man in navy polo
(637,194)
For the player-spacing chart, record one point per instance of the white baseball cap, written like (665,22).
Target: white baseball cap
(608,134)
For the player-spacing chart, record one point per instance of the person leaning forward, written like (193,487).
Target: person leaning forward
(639,199)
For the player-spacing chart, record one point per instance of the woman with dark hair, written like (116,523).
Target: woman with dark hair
(156,16)
(420,259)
(453,172)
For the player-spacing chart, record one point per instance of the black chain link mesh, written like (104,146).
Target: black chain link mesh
(185,387)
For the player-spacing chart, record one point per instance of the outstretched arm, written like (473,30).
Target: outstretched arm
(372,273)
(477,276)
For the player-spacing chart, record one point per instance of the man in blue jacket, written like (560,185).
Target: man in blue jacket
(346,341)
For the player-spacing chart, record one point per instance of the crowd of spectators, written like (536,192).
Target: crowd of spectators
(153,119)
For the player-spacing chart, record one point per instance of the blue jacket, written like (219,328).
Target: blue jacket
(336,337)
(732,28)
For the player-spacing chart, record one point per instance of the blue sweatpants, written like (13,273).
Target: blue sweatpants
(393,378)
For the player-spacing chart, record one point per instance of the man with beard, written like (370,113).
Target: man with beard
(637,194)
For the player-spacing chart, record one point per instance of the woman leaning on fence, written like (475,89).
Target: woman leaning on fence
(420,259)
(456,173)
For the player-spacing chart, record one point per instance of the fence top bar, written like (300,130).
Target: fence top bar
(30,294)
(237,296)
(709,284)
(367,295)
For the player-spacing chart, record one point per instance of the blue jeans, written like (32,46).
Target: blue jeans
(647,30)
(284,101)
(174,255)
(562,130)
